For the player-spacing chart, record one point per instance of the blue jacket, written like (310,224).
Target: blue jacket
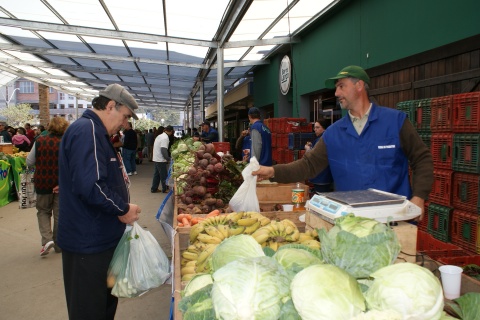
(266,154)
(93,190)
(324,177)
(372,160)
(210,136)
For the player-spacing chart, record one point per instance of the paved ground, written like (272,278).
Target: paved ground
(31,287)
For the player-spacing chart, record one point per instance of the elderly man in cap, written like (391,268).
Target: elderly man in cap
(260,137)
(208,134)
(370,147)
(4,133)
(94,203)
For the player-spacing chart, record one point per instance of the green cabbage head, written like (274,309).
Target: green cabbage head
(234,248)
(359,245)
(249,289)
(326,292)
(407,288)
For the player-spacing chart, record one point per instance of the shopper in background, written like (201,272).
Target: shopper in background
(29,132)
(21,141)
(196,136)
(44,156)
(243,145)
(370,147)
(208,134)
(116,140)
(4,133)
(129,149)
(323,181)
(149,139)
(94,203)
(161,157)
(261,138)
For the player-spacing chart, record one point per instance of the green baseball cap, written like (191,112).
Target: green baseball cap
(348,72)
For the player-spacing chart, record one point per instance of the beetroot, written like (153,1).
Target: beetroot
(188,200)
(218,167)
(213,161)
(192,171)
(203,163)
(207,156)
(209,148)
(219,203)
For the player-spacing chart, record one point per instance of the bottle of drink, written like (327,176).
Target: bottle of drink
(298,197)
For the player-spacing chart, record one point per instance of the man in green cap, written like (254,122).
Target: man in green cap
(370,147)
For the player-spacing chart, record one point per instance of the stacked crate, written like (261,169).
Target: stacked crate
(287,135)
(450,127)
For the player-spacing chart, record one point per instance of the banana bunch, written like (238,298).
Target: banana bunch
(310,239)
(196,259)
(277,233)
(246,222)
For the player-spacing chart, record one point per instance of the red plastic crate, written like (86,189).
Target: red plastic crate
(277,155)
(287,125)
(440,221)
(426,242)
(448,253)
(442,187)
(441,149)
(301,153)
(422,114)
(289,156)
(282,140)
(221,146)
(423,224)
(465,230)
(466,191)
(461,261)
(441,114)
(466,113)
(274,140)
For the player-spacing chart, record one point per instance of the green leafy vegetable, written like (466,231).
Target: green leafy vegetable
(234,248)
(295,260)
(467,307)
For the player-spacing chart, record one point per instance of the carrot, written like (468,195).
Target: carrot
(213,213)
(186,222)
(188,216)
(180,217)
(180,224)
(194,221)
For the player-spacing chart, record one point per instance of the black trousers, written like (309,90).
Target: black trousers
(85,280)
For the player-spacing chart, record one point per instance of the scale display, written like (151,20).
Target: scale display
(375,204)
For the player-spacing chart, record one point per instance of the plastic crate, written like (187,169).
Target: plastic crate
(221,146)
(461,261)
(277,155)
(287,125)
(466,191)
(426,138)
(409,108)
(426,242)
(289,156)
(442,187)
(441,114)
(466,113)
(439,221)
(423,224)
(423,114)
(297,141)
(466,152)
(282,140)
(465,230)
(441,149)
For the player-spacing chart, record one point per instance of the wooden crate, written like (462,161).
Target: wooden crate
(406,233)
(271,194)
(6,148)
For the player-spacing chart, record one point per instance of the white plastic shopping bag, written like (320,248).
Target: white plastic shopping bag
(245,199)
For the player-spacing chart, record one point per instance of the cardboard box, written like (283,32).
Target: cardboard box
(6,148)
(271,194)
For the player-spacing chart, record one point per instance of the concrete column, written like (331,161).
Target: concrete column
(43,105)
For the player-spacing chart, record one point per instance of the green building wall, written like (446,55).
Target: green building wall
(368,33)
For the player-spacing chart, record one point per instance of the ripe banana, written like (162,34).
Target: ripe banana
(188,255)
(214,232)
(263,220)
(273,245)
(192,263)
(247,221)
(187,270)
(304,237)
(235,216)
(188,276)
(235,231)
(223,228)
(261,238)
(203,256)
(252,228)
(205,238)
(314,244)
(195,231)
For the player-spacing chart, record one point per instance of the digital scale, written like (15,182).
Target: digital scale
(371,203)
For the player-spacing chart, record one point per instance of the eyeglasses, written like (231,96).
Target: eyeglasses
(317,127)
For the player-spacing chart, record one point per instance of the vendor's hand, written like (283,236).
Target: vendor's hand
(244,133)
(132,215)
(419,202)
(264,173)
(55,189)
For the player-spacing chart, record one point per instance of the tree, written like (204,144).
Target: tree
(145,124)
(18,115)
(169,117)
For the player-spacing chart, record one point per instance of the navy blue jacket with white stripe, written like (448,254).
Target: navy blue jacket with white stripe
(92,188)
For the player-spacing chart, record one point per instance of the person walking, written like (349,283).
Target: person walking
(149,140)
(261,138)
(129,149)
(44,156)
(161,157)
(95,203)
(370,147)
(4,133)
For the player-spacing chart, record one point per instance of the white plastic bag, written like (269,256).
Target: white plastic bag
(245,199)
(146,267)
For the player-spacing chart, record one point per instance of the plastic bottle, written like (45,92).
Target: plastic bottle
(298,197)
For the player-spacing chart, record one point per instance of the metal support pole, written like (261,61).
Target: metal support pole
(220,100)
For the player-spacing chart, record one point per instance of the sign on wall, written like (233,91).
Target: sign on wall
(285,75)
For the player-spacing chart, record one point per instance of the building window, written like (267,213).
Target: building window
(26,87)
(51,90)
(71,106)
(89,106)
(80,106)
(62,96)
(62,106)
(71,97)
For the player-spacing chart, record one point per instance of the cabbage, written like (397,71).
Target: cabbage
(411,290)
(196,283)
(250,288)
(379,315)
(295,260)
(326,292)
(359,245)
(234,248)
(467,306)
